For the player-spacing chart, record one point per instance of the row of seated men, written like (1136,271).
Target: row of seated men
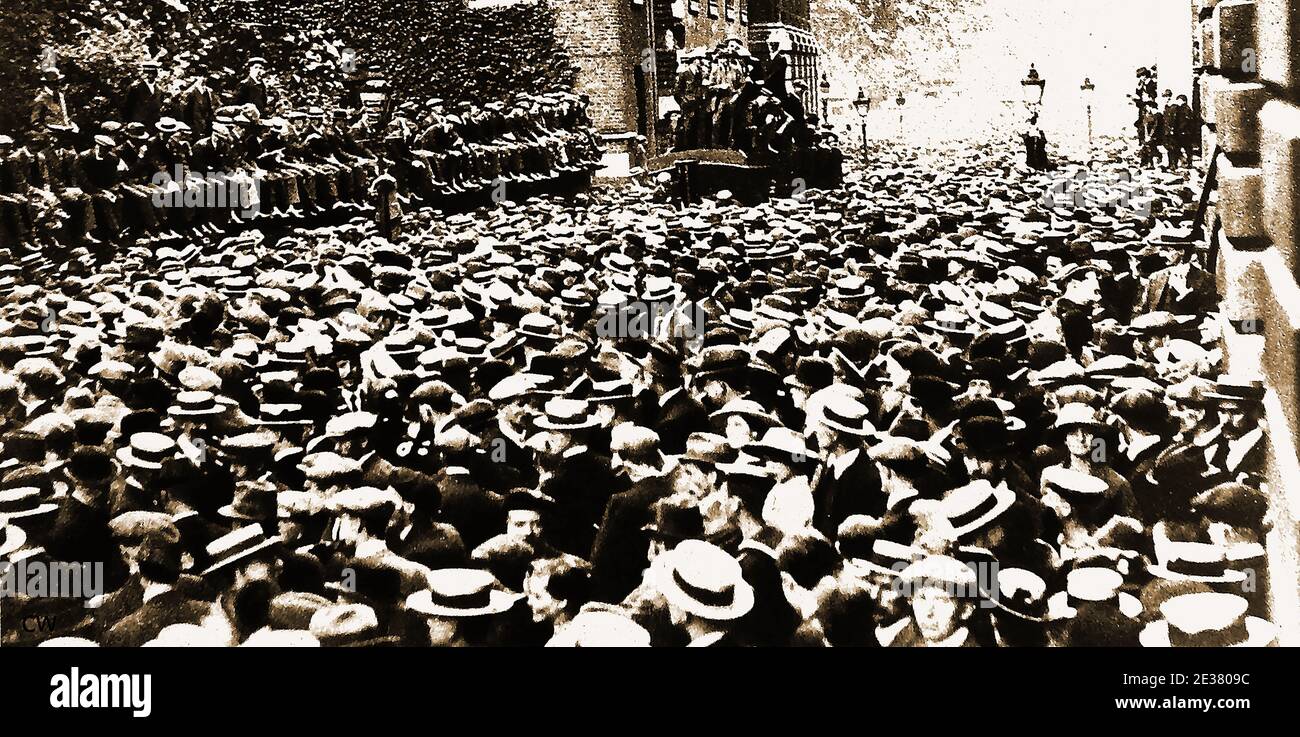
(131,182)
(440,150)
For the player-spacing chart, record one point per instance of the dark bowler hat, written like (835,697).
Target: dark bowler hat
(676,519)
(255,501)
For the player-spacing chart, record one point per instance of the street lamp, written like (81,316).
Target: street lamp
(863,106)
(825,89)
(1087,88)
(1032,86)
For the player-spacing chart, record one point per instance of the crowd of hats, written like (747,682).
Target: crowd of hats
(111,192)
(440,151)
(334,439)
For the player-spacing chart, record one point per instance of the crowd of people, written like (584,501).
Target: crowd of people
(470,148)
(727,99)
(1168,130)
(858,404)
(90,188)
(235,159)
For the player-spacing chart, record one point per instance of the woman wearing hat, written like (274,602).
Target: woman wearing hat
(1085,494)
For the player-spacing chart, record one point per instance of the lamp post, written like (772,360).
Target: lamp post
(863,106)
(1032,86)
(825,89)
(1087,88)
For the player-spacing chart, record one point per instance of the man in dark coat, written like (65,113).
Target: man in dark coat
(618,555)
(252,89)
(1176,118)
(144,101)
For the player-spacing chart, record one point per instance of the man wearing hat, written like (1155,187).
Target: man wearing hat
(143,102)
(845,477)
(162,601)
(245,568)
(1234,449)
(705,590)
(943,593)
(462,607)
(138,536)
(49,111)
(80,530)
(618,553)
(577,471)
(252,88)
(103,169)
(510,554)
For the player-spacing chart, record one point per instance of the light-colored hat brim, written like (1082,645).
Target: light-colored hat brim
(861,567)
(498,602)
(832,424)
(740,605)
(1160,570)
(1259,633)
(1004,497)
(127,457)
(546,424)
(15,538)
(1058,606)
(206,412)
(227,562)
(39,509)
(229,512)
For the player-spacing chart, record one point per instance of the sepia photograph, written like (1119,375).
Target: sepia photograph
(381,324)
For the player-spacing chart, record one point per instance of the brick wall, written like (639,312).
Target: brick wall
(604,39)
(708,30)
(790,12)
(1250,100)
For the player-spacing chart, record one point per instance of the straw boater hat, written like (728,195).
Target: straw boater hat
(1207,619)
(238,545)
(147,450)
(600,629)
(1092,584)
(198,404)
(974,505)
(938,570)
(1194,561)
(566,415)
(888,558)
(703,580)
(461,592)
(22,502)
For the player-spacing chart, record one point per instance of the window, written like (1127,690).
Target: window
(694,7)
(713,8)
(744,12)
(729,9)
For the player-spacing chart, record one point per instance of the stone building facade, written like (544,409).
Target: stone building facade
(1249,93)
(627,50)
